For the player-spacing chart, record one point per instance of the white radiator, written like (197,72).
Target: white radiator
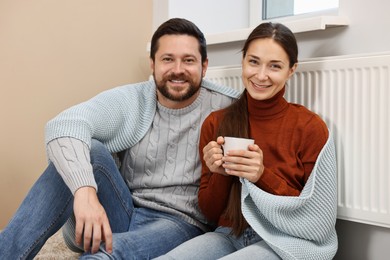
(352,95)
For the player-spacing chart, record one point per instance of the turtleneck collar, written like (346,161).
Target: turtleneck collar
(269,108)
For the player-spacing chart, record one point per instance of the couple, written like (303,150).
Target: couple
(172,193)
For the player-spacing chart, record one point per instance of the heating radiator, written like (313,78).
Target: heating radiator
(352,95)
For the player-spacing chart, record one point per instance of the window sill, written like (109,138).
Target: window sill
(296,26)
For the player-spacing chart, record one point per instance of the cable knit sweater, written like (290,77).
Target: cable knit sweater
(122,118)
(118,117)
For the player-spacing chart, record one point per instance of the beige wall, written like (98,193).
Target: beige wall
(54,54)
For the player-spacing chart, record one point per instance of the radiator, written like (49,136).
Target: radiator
(352,95)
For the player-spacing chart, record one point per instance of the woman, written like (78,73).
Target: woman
(261,199)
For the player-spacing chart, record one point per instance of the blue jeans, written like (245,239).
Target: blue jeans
(221,244)
(139,233)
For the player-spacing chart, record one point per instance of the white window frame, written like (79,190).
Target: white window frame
(297,23)
(256,14)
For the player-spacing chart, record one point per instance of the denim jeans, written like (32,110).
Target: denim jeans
(220,244)
(138,233)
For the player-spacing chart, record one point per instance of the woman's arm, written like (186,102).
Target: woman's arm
(214,187)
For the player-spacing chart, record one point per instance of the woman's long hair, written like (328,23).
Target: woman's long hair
(235,121)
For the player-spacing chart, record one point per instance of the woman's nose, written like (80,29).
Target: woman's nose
(262,74)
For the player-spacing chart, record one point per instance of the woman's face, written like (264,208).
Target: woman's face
(265,69)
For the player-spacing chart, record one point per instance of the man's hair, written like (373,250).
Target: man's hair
(178,26)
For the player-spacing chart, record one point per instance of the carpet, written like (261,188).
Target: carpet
(55,248)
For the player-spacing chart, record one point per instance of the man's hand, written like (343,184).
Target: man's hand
(92,224)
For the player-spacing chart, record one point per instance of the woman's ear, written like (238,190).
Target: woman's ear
(292,70)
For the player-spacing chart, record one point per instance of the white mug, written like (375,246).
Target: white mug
(235,143)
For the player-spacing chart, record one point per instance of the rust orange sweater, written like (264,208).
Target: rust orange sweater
(290,136)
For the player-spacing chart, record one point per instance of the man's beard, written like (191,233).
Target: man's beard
(164,89)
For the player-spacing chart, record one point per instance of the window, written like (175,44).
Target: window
(232,20)
(281,8)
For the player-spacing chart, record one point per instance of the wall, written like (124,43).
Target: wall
(54,54)
(366,33)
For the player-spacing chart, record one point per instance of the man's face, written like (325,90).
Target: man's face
(178,70)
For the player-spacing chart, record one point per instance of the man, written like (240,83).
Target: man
(150,205)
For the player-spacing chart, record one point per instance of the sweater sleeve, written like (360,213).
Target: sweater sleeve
(71,158)
(117,117)
(214,188)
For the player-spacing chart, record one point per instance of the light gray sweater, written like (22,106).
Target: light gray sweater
(126,117)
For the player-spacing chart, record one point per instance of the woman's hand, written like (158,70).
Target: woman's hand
(92,225)
(212,155)
(246,164)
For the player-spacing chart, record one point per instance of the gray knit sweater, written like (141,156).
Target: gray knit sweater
(161,166)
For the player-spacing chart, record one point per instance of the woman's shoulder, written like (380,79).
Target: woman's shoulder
(212,121)
(302,110)
(307,116)
(216,115)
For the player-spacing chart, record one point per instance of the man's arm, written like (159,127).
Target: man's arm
(71,157)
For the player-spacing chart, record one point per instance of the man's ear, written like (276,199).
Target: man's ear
(205,64)
(151,64)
